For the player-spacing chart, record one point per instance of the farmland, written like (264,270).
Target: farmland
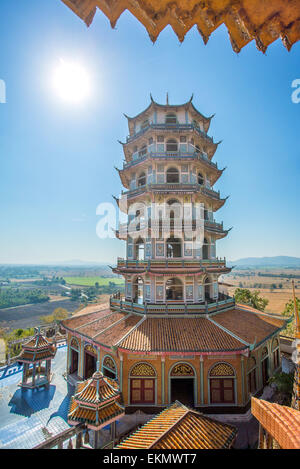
(91,281)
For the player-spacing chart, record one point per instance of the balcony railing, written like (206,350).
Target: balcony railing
(172,186)
(174,127)
(155,224)
(171,262)
(167,154)
(223,302)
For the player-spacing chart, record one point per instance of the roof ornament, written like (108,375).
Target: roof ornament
(167,99)
(152,100)
(191,98)
(253,345)
(122,143)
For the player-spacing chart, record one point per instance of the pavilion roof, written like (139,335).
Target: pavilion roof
(246,20)
(281,422)
(96,401)
(37,348)
(179,427)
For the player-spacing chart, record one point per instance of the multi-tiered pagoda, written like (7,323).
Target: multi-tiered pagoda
(174,335)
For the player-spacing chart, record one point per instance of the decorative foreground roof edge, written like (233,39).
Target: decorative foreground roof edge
(277,20)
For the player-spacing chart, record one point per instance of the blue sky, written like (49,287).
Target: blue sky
(57,160)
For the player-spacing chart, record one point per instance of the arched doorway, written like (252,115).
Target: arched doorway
(173,247)
(174,289)
(207,286)
(205,249)
(172,175)
(90,361)
(182,384)
(142,384)
(141,181)
(109,367)
(74,351)
(222,384)
(138,290)
(139,249)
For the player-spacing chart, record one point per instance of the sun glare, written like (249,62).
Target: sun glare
(71,82)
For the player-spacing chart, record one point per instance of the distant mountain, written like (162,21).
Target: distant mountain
(276,261)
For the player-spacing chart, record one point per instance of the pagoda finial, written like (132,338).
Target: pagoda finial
(297,320)
(167,99)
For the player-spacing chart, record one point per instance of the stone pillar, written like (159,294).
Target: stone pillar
(201,381)
(33,374)
(243,380)
(121,373)
(163,380)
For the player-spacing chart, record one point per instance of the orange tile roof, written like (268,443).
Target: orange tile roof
(179,427)
(118,331)
(95,327)
(89,415)
(87,391)
(36,342)
(77,321)
(249,325)
(179,335)
(36,356)
(246,20)
(281,422)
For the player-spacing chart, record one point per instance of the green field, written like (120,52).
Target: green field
(90,281)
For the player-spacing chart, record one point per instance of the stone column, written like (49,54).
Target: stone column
(163,380)
(201,381)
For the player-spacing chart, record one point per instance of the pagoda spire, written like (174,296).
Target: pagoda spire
(167,99)
(296,388)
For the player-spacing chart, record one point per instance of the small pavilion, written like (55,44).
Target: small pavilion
(97,403)
(36,356)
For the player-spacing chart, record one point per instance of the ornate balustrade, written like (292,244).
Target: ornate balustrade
(172,308)
(171,262)
(168,127)
(165,155)
(172,186)
(125,229)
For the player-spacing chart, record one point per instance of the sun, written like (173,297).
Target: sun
(71,81)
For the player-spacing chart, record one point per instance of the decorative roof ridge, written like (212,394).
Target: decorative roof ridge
(112,325)
(155,103)
(230,332)
(252,310)
(131,330)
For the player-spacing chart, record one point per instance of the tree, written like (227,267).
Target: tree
(244,296)
(288,312)
(58,315)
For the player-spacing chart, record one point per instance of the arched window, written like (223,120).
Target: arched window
(143,151)
(205,249)
(171,119)
(141,180)
(222,384)
(142,384)
(140,249)
(173,247)
(172,145)
(172,175)
(174,289)
(138,290)
(207,289)
(200,179)
(109,367)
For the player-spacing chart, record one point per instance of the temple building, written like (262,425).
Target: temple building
(174,335)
